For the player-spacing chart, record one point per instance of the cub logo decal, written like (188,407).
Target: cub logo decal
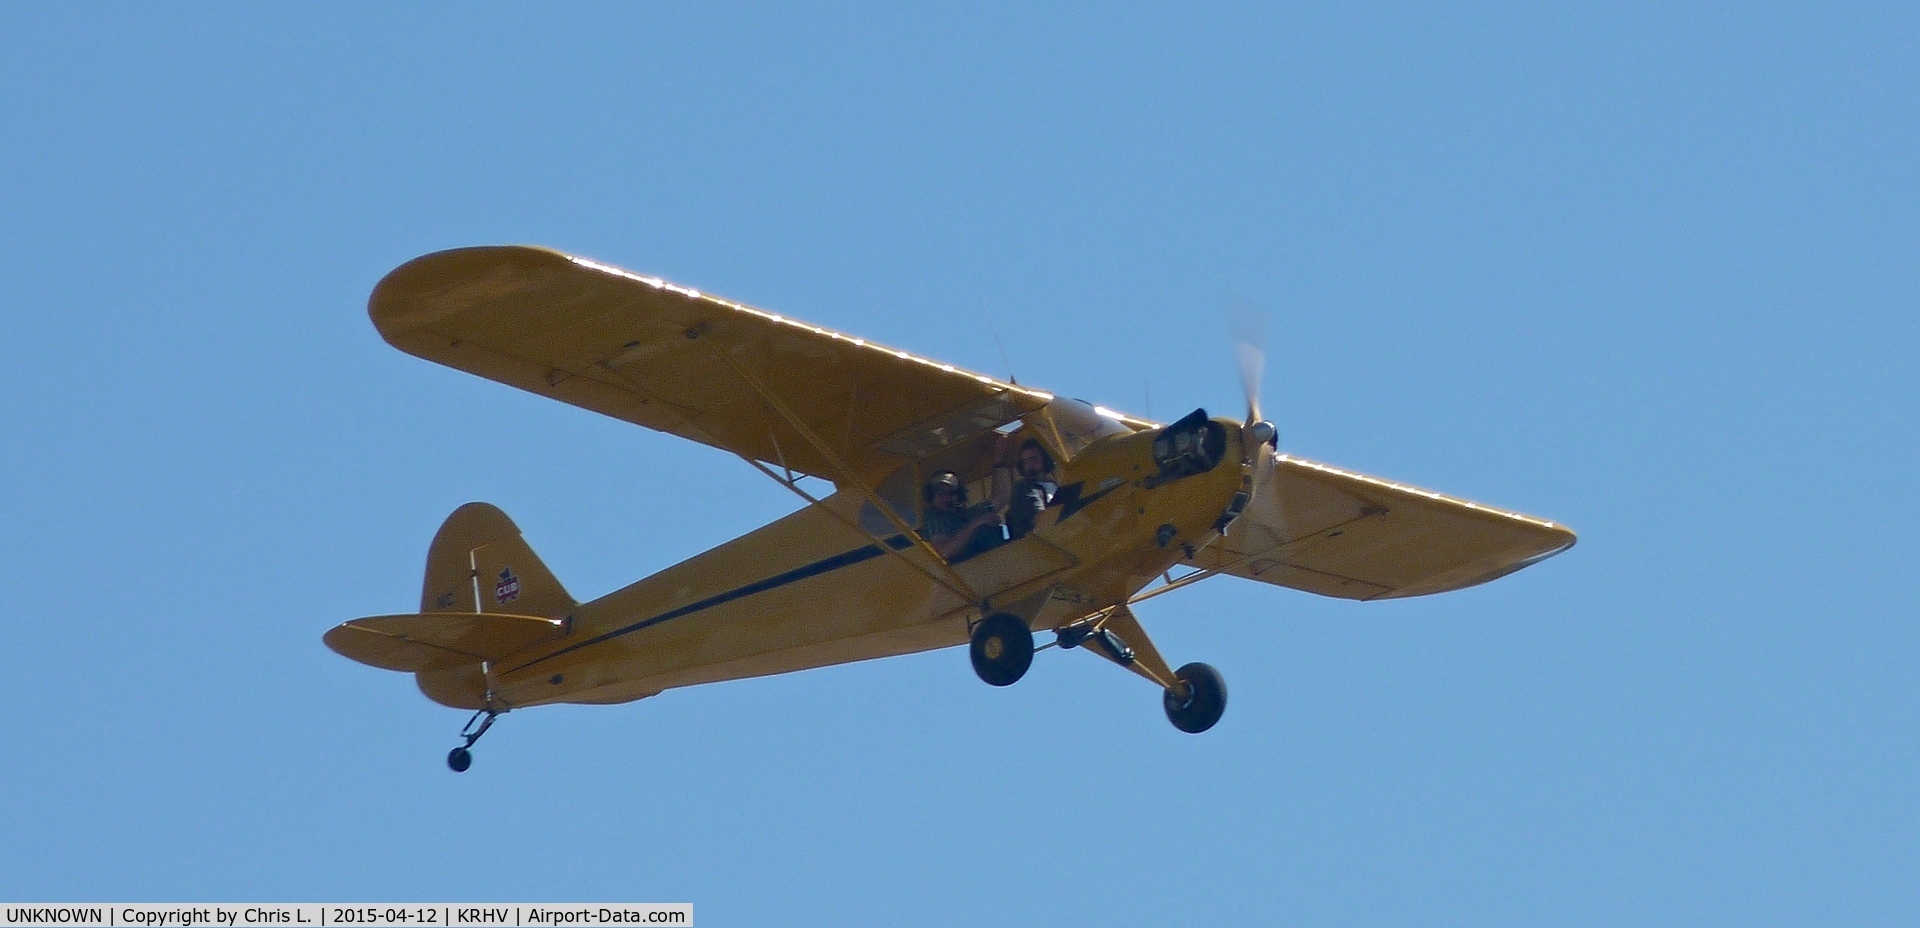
(508,589)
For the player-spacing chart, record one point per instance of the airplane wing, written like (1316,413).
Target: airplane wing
(1337,533)
(649,352)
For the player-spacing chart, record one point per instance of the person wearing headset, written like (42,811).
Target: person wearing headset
(956,530)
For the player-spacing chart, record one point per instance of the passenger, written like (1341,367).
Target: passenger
(956,530)
(1033,492)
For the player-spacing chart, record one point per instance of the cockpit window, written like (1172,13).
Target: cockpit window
(1067,426)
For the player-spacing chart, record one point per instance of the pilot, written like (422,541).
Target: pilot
(956,530)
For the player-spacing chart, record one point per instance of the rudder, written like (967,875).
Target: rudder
(478,562)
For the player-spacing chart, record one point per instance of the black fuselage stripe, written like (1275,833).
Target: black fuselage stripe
(848,559)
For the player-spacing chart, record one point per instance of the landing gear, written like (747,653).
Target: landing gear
(460,758)
(1195,696)
(1002,649)
(1204,699)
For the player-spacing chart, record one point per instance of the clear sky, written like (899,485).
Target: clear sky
(1649,270)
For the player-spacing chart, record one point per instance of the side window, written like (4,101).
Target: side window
(901,492)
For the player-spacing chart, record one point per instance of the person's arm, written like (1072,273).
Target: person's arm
(950,545)
(1001,493)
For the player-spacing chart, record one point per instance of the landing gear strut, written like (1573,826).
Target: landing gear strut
(460,758)
(1194,696)
(1002,649)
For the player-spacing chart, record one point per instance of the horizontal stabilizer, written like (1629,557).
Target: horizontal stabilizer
(435,640)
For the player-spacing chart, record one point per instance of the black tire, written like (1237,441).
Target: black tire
(1002,649)
(459,759)
(1205,702)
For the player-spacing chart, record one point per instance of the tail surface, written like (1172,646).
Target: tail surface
(486,596)
(479,563)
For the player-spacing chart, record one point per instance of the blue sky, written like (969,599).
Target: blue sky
(1648,270)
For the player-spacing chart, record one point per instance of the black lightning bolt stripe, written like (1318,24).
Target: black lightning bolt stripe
(815,569)
(1070,501)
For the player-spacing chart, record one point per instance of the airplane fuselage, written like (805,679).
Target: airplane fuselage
(820,586)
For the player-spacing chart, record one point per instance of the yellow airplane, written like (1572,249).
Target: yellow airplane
(1108,509)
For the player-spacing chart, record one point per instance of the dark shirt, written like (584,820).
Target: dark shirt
(1030,498)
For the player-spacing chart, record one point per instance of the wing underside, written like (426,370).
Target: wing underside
(1338,533)
(671,358)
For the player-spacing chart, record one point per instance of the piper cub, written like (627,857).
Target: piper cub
(1081,512)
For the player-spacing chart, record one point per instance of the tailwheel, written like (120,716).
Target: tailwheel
(1200,706)
(460,758)
(1002,649)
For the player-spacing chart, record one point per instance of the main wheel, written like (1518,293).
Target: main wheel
(1002,649)
(1206,699)
(459,759)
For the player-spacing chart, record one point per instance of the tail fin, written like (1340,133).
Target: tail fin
(479,563)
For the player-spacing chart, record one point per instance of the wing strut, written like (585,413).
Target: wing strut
(854,524)
(1205,572)
(954,585)
(953,581)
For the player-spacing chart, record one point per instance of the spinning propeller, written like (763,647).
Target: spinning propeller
(1249,349)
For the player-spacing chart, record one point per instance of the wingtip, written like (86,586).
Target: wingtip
(434,284)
